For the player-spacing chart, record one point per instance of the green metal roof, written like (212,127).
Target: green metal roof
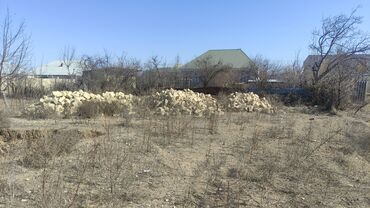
(234,57)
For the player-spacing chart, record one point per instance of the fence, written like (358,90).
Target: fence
(360,93)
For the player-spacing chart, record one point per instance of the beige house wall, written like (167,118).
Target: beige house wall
(41,82)
(32,83)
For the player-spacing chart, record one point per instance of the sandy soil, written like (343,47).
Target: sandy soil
(296,157)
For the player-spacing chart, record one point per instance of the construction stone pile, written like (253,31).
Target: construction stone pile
(166,102)
(68,102)
(248,102)
(183,102)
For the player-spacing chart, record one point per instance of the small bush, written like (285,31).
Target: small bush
(292,99)
(20,91)
(50,145)
(95,109)
(328,95)
(111,109)
(89,110)
(38,112)
(4,120)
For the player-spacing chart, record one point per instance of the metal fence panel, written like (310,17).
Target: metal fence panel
(360,91)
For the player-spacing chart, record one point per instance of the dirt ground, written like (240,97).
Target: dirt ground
(296,157)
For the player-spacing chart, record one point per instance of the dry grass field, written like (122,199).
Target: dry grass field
(296,157)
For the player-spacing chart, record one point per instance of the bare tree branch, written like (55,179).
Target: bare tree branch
(154,64)
(207,70)
(68,57)
(14,51)
(107,72)
(262,70)
(338,40)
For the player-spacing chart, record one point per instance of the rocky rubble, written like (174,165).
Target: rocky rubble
(166,102)
(183,102)
(67,102)
(239,102)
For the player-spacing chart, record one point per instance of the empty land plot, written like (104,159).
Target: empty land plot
(286,159)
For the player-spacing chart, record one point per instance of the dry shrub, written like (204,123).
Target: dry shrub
(222,98)
(275,100)
(217,190)
(61,181)
(4,120)
(88,110)
(111,109)
(172,128)
(20,91)
(142,108)
(323,96)
(50,145)
(333,93)
(213,123)
(290,99)
(40,113)
(95,109)
(112,170)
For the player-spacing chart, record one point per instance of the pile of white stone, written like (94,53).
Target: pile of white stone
(166,102)
(68,102)
(249,102)
(183,102)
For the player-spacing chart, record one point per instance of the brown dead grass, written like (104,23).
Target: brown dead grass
(288,159)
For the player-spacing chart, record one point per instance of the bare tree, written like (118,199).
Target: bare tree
(154,64)
(343,80)
(338,41)
(97,62)
(107,72)
(68,57)
(339,45)
(207,70)
(263,70)
(128,69)
(88,62)
(292,74)
(14,52)
(124,61)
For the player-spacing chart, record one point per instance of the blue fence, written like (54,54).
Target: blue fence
(301,92)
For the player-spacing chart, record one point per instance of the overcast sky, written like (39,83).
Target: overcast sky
(275,29)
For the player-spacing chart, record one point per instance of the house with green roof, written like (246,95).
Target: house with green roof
(233,57)
(238,65)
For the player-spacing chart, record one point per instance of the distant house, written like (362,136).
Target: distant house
(44,78)
(357,68)
(238,62)
(57,69)
(357,64)
(52,73)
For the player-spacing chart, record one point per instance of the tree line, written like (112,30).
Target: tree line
(337,42)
